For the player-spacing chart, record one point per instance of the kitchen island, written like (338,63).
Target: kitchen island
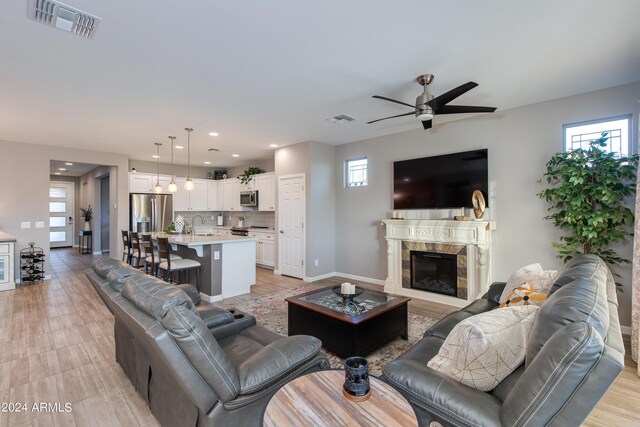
(228,263)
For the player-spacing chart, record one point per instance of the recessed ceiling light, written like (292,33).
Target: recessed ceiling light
(62,169)
(57,173)
(273,145)
(155,156)
(207,163)
(235,155)
(69,164)
(179,147)
(213,134)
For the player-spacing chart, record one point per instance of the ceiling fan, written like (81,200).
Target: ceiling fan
(427,105)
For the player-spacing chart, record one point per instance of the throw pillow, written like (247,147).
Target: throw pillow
(484,349)
(541,280)
(524,295)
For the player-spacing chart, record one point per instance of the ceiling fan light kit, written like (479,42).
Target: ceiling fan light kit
(427,106)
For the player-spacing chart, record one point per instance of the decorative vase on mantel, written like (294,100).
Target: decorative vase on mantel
(87,226)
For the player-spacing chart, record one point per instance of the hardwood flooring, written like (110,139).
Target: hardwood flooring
(57,347)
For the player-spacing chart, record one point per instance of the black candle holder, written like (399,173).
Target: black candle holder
(348,305)
(356,384)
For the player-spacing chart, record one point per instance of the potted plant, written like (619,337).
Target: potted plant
(87,215)
(248,174)
(586,190)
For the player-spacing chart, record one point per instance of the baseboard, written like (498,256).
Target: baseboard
(209,298)
(320,277)
(277,272)
(360,278)
(97,252)
(626,330)
(7,286)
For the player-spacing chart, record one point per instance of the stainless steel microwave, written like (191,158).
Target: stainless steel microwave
(249,198)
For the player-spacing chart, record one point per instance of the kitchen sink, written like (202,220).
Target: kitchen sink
(205,234)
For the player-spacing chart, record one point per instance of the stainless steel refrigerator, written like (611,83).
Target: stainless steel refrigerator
(150,212)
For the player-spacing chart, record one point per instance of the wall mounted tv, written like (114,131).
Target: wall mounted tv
(440,182)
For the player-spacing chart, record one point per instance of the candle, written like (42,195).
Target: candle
(347,288)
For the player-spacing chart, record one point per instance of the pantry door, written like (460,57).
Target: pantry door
(291,217)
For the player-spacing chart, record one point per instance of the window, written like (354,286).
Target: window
(356,172)
(578,135)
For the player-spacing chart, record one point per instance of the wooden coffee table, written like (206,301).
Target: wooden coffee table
(384,318)
(316,399)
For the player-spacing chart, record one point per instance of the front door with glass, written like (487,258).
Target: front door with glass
(61,214)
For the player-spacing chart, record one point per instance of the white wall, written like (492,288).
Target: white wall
(520,142)
(24,172)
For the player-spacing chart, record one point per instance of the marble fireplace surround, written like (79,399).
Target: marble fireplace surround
(469,240)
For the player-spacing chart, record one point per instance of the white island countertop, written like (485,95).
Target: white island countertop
(197,242)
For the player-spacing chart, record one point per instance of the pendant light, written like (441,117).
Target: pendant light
(158,187)
(188,184)
(172,187)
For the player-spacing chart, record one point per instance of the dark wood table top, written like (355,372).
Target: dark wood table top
(316,399)
(348,318)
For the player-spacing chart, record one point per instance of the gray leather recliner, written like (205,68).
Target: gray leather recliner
(574,354)
(197,365)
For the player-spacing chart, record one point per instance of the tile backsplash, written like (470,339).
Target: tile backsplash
(264,219)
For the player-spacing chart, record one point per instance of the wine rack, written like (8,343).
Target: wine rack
(31,264)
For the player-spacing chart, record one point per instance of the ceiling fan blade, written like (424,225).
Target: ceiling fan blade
(427,124)
(393,100)
(459,109)
(439,101)
(392,117)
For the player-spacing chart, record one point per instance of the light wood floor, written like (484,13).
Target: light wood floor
(56,346)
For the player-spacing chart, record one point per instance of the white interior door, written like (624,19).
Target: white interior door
(61,214)
(291,217)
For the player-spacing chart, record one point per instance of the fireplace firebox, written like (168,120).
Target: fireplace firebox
(434,272)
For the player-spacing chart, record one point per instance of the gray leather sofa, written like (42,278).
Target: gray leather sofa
(574,353)
(194,363)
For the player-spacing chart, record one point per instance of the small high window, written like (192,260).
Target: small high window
(356,172)
(578,135)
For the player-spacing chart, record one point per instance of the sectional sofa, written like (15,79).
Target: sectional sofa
(194,363)
(573,354)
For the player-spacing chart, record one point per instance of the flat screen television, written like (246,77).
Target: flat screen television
(440,182)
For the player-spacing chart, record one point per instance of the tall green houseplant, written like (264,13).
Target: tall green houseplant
(586,190)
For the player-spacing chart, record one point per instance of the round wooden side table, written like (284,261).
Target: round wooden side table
(316,399)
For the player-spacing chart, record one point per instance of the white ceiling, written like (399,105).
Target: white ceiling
(74,169)
(271,72)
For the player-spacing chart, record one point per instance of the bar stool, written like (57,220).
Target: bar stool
(134,241)
(151,256)
(170,266)
(126,253)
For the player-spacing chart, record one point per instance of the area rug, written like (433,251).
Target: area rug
(271,312)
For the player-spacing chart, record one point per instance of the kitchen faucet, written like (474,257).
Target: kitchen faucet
(193,224)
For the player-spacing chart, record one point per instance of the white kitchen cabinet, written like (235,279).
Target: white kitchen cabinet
(180,197)
(265,248)
(7,274)
(213,201)
(198,196)
(140,183)
(229,195)
(266,186)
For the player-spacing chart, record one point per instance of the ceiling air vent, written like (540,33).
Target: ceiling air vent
(340,119)
(213,149)
(63,17)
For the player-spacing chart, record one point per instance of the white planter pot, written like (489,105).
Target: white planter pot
(87,226)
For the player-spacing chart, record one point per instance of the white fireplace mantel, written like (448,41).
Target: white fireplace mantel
(475,235)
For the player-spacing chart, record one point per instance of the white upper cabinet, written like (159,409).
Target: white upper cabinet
(198,196)
(140,183)
(213,201)
(229,196)
(180,197)
(266,186)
